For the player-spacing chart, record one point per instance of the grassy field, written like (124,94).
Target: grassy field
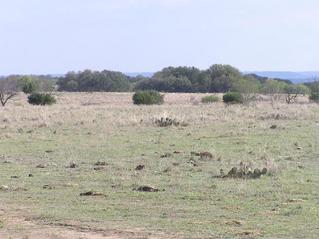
(40,192)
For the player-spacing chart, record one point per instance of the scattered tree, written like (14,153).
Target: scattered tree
(8,89)
(293,91)
(249,87)
(29,84)
(87,81)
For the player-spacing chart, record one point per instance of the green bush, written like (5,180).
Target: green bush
(28,84)
(41,99)
(148,97)
(210,99)
(233,98)
(314,97)
(29,87)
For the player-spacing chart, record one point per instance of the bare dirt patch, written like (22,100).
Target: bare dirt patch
(14,225)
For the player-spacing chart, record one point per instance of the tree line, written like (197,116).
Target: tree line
(215,79)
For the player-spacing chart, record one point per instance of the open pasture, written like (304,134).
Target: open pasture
(70,170)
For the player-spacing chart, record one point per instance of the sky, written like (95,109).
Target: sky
(57,36)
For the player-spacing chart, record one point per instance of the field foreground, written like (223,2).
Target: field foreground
(71,170)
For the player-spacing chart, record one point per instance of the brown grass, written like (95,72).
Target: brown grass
(117,109)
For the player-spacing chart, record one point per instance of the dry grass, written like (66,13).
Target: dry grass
(116,109)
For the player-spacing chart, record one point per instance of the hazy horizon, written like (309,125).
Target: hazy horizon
(54,37)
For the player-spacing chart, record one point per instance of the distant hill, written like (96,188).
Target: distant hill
(295,77)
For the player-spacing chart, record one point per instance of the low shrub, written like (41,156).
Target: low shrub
(165,122)
(314,97)
(233,98)
(148,97)
(210,99)
(41,99)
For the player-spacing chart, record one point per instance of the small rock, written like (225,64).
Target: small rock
(139,167)
(14,176)
(235,222)
(206,156)
(264,171)
(99,168)
(47,187)
(99,163)
(296,200)
(167,155)
(195,154)
(232,173)
(73,165)
(41,166)
(4,188)
(273,126)
(167,170)
(147,189)
(30,175)
(256,173)
(193,162)
(92,194)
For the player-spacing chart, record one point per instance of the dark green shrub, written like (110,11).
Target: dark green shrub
(41,99)
(233,98)
(148,97)
(210,99)
(314,97)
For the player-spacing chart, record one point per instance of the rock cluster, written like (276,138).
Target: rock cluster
(244,172)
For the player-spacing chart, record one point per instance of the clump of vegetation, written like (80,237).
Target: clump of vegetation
(108,81)
(41,99)
(217,78)
(293,91)
(148,97)
(165,122)
(314,97)
(28,84)
(244,172)
(210,99)
(233,98)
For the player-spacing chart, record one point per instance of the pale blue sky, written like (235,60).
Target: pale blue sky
(55,36)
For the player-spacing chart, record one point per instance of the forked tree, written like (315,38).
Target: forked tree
(8,89)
